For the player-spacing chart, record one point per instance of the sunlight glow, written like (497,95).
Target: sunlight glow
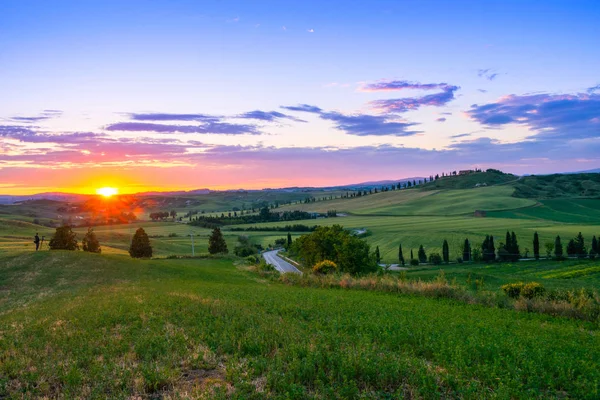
(107,191)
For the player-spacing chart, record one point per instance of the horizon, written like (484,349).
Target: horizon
(179,96)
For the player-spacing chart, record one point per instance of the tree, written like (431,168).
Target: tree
(377,255)
(173,214)
(467,251)
(446,252)
(422,256)
(90,242)
(216,242)
(488,249)
(594,249)
(536,246)
(64,239)
(558,249)
(289,240)
(571,248)
(400,255)
(140,245)
(580,250)
(411,255)
(549,249)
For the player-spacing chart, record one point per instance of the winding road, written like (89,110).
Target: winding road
(279,264)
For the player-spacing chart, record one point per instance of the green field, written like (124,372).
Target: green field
(76,325)
(573,211)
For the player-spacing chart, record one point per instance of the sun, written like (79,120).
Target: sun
(107,191)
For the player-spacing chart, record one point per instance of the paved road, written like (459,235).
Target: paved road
(281,265)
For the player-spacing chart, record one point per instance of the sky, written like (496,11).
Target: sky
(179,95)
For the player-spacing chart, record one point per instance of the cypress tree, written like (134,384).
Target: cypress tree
(216,242)
(536,246)
(515,251)
(446,252)
(400,255)
(289,240)
(377,255)
(140,245)
(411,255)
(467,251)
(422,255)
(492,249)
(508,246)
(580,249)
(558,249)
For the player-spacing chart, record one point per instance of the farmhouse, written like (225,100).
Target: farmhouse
(465,172)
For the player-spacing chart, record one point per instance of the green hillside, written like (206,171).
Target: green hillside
(573,211)
(79,325)
(558,185)
(491,177)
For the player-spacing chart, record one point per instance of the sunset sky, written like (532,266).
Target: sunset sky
(177,95)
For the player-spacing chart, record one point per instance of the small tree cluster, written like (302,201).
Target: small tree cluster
(509,251)
(64,239)
(576,247)
(488,249)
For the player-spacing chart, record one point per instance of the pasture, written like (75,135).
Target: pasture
(97,326)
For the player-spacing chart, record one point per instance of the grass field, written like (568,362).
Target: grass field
(78,325)
(573,211)
(423,202)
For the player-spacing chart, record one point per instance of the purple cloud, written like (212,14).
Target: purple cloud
(551,116)
(269,116)
(173,117)
(222,128)
(460,135)
(413,103)
(303,108)
(487,74)
(388,86)
(442,119)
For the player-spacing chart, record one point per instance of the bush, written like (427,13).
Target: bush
(459,260)
(140,245)
(252,259)
(90,242)
(173,234)
(324,267)
(532,290)
(527,290)
(435,259)
(414,262)
(513,290)
(244,251)
(64,239)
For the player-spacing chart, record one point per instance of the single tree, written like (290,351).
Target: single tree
(580,250)
(400,255)
(467,251)
(216,242)
(377,255)
(289,240)
(446,252)
(90,242)
(411,255)
(594,249)
(536,246)
(140,245)
(549,249)
(422,255)
(558,249)
(173,214)
(64,239)
(571,248)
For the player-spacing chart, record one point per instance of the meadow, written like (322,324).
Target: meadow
(83,325)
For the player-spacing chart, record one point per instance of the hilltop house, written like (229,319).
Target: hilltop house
(465,172)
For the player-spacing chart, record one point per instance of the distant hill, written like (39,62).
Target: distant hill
(558,185)
(490,177)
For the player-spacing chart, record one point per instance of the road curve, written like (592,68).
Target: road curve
(279,264)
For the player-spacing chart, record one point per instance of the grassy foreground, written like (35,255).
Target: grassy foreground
(89,326)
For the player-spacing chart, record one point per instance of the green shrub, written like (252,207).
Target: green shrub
(324,267)
(414,262)
(64,239)
(459,260)
(252,259)
(513,290)
(90,242)
(435,259)
(532,290)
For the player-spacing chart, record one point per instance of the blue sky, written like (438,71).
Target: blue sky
(212,90)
